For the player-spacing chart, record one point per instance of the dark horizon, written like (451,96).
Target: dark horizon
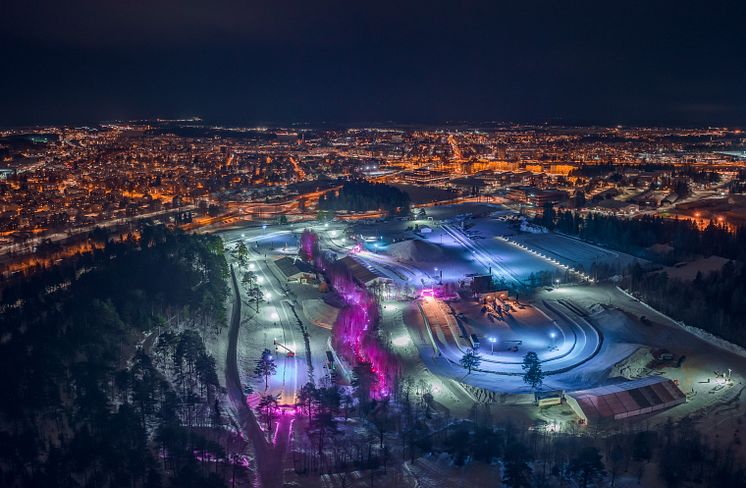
(669,64)
(486,125)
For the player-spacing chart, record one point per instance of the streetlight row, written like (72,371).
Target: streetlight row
(550,259)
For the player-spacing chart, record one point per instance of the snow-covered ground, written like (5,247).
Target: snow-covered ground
(619,320)
(596,327)
(571,251)
(277,319)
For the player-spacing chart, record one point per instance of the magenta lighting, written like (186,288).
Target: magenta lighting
(309,247)
(355,332)
(427,293)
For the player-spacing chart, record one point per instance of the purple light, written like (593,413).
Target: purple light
(309,246)
(427,293)
(355,332)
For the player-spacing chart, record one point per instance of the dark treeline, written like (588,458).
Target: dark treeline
(361,196)
(715,302)
(347,433)
(636,236)
(87,402)
(738,184)
(596,170)
(682,456)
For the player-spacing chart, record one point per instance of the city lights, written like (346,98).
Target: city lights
(523,278)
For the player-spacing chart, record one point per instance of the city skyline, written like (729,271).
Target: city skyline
(400,244)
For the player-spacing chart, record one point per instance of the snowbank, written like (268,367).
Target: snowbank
(415,250)
(633,366)
(320,313)
(704,335)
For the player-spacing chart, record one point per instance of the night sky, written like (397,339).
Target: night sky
(347,62)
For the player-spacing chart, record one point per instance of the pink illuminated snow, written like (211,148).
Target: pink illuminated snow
(355,332)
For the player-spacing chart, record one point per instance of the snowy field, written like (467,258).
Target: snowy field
(481,247)
(570,251)
(576,357)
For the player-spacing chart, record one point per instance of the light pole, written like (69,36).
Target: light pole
(492,343)
(553,335)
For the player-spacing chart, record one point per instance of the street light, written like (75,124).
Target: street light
(492,343)
(552,335)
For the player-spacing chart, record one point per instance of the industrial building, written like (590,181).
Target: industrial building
(295,269)
(362,274)
(625,400)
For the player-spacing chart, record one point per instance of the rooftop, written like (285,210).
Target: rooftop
(624,400)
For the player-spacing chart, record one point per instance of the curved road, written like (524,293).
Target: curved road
(270,456)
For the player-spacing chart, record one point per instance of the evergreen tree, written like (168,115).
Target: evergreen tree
(532,373)
(470,360)
(266,366)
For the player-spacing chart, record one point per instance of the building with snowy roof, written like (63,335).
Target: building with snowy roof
(365,275)
(294,269)
(625,400)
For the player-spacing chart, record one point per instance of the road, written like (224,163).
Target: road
(30,244)
(279,314)
(269,455)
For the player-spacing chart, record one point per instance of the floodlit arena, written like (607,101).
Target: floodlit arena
(589,338)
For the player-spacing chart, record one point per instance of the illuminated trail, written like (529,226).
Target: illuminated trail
(483,257)
(270,456)
(580,340)
(289,386)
